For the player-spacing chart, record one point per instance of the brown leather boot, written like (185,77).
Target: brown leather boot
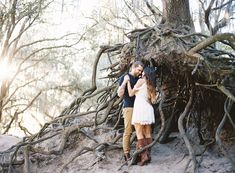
(138,158)
(144,155)
(149,141)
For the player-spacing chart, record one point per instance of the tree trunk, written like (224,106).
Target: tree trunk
(3,93)
(175,17)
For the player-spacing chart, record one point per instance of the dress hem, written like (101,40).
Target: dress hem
(142,123)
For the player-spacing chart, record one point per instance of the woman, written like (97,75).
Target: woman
(143,112)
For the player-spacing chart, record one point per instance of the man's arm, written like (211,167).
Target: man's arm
(121,88)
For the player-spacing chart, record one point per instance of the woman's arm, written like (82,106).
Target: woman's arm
(138,84)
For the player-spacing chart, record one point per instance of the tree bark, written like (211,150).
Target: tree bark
(172,15)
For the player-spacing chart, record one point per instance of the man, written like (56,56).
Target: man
(128,103)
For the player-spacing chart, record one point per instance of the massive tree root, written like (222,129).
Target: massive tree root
(195,78)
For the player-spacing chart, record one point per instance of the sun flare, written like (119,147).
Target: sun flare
(5,70)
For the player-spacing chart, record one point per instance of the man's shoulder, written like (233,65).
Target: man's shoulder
(122,77)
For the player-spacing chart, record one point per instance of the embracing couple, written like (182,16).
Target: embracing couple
(138,89)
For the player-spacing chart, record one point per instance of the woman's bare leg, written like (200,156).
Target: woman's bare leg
(147,131)
(139,131)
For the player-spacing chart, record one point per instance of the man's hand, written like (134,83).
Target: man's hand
(126,78)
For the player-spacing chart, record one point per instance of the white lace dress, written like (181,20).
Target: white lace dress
(143,112)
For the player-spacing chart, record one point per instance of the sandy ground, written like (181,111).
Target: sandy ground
(7,141)
(166,158)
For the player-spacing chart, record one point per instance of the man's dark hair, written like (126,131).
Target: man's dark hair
(137,63)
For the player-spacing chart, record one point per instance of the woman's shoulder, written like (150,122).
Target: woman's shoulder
(139,84)
(141,81)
